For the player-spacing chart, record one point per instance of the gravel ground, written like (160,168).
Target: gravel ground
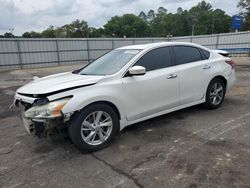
(192,148)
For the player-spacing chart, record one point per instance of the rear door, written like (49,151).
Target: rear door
(155,91)
(193,68)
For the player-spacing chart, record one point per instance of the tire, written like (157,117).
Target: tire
(215,94)
(93,127)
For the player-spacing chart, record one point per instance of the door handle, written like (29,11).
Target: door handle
(207,67)
(171,76)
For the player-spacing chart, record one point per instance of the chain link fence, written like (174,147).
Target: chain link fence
(32,53)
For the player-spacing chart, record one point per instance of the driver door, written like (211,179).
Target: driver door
(157,90)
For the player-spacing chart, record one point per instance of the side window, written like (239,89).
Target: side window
(186,54)
(156,59)
(205,54)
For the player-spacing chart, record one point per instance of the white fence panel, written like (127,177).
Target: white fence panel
(120,43)
(19,53)
(71,45)
(37,45)
(8,46)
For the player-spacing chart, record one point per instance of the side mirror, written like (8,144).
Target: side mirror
(136,71)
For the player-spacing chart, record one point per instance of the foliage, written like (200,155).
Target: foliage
(50,32)
(127,25)
(8,35)
(31,34)
(244,5)
(76,29)
(198,20)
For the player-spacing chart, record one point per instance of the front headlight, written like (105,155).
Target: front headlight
(50,110)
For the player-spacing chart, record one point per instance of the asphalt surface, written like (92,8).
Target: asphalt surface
(191,148)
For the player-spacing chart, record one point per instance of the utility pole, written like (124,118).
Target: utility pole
(193,29)
(195,20)
(213,25)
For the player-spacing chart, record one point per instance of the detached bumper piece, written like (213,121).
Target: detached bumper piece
(42,128)
(45,129)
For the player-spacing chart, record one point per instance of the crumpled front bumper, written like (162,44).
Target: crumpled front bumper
(40,127)
(43,128)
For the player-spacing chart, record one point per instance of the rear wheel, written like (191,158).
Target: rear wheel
(215,93)
(94,127)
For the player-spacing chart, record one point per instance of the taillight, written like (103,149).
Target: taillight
(231,62)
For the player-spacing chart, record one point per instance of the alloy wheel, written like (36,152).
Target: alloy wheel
(216,93)
(96,128)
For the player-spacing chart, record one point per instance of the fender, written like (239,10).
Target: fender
(87,95)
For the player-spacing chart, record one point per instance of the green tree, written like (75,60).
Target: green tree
(161,23)
(31,34)
(143,16)
(76,28)
(179,11)
(151,15)
(127,25)
(93,32)
(8,35)
(202,18)
(182,23)
(244,5)
(50,32)
(60,32)
(162,10)
(221,22)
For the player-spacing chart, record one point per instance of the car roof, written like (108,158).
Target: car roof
(156,44)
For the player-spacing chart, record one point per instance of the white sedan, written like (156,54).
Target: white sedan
(125,86)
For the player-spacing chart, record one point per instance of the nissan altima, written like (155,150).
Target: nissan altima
(125,86)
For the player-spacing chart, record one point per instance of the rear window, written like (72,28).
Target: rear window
(205,54)
(186,54)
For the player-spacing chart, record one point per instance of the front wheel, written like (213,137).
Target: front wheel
(215,93)
(94,127)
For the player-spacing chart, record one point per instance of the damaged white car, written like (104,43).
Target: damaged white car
(123,87)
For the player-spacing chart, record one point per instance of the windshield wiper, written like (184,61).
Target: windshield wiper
(87,74)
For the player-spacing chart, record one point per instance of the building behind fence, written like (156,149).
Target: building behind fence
(31,53)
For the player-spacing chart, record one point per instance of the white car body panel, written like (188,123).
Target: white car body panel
(193,75)
(222,52)
(57,82)
(149,97)
(137,98)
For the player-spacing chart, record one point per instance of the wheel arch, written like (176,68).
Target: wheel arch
(214,77)
(112,105)
(220,77)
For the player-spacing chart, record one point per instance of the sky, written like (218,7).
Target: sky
(37,15)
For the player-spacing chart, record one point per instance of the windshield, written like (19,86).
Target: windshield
(109,63)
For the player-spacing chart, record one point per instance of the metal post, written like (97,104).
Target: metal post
(58,53)
(88,52)
(217,41)
(19,53)
(213,25)
(193,30)
(113,45)
(133,41)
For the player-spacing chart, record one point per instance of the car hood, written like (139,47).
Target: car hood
(57,83)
